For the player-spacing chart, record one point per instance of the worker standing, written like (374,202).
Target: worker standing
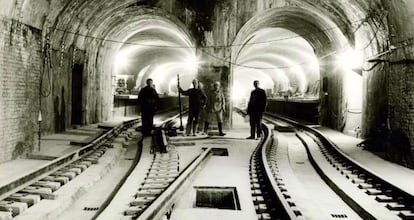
(196,100)
(255,110)
(217,107)
(147,99)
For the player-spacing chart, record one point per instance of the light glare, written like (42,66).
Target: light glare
(191,63)
(239,94)
(351,59)
(121,61)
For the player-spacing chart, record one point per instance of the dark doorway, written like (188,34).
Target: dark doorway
(77,76)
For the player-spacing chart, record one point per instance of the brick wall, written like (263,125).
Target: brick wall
(375,100)
(20,64)
(400,72)
(401,110)
(56,92)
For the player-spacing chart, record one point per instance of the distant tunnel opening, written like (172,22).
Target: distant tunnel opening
(307,63)
(283,62)
(120,52)
(159,50)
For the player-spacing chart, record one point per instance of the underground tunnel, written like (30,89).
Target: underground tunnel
(341,70)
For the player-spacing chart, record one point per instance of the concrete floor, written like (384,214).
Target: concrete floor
(314,198)
(97,195)
(14,169)
(222,171)
(51,147)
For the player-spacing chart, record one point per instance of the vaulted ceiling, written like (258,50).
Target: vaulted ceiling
(159,37)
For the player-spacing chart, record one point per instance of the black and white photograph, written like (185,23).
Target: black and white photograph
(206,109)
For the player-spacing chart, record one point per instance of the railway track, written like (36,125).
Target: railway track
(153,195)
(371,197)
(163,182)
(368,194)
(269,194)
(159,203)
(42,183)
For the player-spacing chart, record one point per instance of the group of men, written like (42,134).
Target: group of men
(213,104)
(207,106)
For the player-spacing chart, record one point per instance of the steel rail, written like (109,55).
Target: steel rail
(34,175)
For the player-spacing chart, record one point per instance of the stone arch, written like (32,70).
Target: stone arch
(100,36)
(327,37)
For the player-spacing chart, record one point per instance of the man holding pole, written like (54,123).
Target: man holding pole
(179,103)
(196,100)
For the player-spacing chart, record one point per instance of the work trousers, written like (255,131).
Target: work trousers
(147,118)
(192,121)
(255,124)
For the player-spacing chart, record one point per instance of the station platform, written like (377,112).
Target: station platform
(51,147)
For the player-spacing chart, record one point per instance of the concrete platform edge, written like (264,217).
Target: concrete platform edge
(69,193)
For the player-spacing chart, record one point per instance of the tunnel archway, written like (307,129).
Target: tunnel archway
(155,44)
(288,62)
(311,46)
(52,37)
(158,45)
(347,26)
(157,49)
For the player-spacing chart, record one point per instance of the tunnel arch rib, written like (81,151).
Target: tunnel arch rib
(324,36)
(100,36)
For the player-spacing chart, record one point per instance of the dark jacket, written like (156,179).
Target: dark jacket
(196,98)
(147,99)
(257,102)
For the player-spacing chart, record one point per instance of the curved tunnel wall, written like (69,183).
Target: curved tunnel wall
(159,50)
(320,32)
(63,34)
(370,26)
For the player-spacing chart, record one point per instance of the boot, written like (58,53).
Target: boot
(188,128)
(220,128)
(195,125)
(206,124)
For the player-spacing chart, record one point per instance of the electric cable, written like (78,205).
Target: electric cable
(213,46)
(362,20)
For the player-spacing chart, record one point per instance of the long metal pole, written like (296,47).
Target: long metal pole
(39,120)
(179,102)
